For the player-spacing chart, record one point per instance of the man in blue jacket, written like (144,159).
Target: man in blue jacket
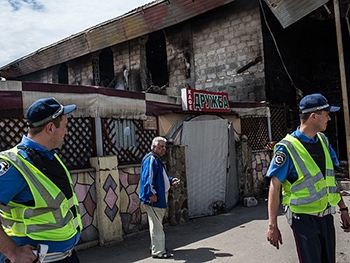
(154,187)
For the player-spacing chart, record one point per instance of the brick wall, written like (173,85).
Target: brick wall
(215,44)
(44,76)
(127,56)
(225,40)
(80,71)
(179,41)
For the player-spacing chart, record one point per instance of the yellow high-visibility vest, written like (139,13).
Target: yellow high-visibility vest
(51,218)
(312,192)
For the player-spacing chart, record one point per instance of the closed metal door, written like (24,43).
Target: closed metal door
(206,149)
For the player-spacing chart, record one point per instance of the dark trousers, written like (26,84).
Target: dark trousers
(314,238)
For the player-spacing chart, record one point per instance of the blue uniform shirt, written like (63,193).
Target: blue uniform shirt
(282,166)
(14,187)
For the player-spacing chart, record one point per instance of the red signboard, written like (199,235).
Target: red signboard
(204,101)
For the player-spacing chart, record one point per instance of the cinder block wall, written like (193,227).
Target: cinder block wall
(128,55)
(224,41)
(216,44)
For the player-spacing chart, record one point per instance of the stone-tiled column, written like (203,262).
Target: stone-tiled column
(108,199)
(175,162)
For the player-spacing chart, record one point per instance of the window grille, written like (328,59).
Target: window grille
(256,127)
(127,139)
(126,136)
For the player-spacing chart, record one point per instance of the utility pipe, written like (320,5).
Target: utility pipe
(342,77)
(269,124)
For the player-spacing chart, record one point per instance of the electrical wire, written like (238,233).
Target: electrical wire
(347,18)
(298,91)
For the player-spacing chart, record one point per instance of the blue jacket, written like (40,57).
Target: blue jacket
(152,180)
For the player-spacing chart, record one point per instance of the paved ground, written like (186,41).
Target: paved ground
(238,236)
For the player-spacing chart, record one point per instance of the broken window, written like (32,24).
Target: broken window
(63,74)
(157,63)
(106,68)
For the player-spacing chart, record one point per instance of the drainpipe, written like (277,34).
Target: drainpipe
(268,114)
(98,134)
(342,77)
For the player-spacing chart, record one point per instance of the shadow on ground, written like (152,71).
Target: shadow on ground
(135,248)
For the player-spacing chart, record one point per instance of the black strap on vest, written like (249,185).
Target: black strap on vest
(34,156)
(317,153)
(52,169)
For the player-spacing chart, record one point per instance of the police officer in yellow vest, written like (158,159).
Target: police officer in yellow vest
(303,165)
(38,205)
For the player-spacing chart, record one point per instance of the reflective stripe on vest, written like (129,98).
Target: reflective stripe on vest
(308,181)
(50,218)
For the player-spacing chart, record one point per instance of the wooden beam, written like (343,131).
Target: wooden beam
(342,77)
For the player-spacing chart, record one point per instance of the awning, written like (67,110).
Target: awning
(16,97)
(290,11)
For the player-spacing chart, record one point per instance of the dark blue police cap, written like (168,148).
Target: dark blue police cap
(315,102)
(45,110)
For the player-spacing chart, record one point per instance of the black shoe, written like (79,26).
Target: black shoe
(164,255)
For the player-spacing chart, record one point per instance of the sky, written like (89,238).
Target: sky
(28,25)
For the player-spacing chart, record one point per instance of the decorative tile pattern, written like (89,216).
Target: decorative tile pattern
(133,216)
(110,198)
(84,186)
(130,211)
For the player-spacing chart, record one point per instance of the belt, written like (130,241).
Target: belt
(44,257)
(327,211)
(57,256)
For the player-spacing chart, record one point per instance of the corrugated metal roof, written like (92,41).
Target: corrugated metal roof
(143,20)
(290,11)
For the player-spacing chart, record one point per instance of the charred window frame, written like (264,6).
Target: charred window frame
(63,74)
(106,68)
(157,62)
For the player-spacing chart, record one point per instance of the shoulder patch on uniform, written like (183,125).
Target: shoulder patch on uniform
(279,159)
(4,167)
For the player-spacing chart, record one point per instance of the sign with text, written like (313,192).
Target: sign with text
(204,101)
(150,123)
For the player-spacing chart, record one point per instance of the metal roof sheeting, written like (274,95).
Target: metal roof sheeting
(143,20)
(290,11)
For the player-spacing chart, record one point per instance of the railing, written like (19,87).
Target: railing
(124,138)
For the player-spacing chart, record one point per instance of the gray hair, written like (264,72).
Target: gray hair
(156,140)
